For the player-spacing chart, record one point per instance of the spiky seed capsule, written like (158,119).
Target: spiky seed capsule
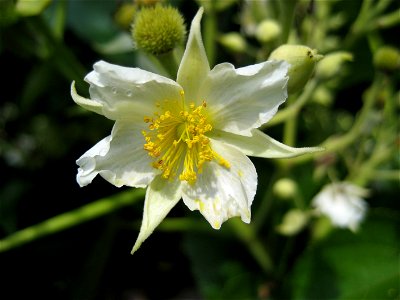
(158,29)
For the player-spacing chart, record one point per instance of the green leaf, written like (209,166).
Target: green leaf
(31,7)
(352,266)
(218,271)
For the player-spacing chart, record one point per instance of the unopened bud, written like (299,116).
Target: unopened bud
(387,58)
(323,96)
(285,188)
(293,222)
(234,42)
(302,60)
(158,29)
(124,15)
(331,64)
(267,31)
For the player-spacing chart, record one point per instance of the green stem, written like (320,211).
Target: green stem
(266,204)
(60,17)
(292,110)
(388,20)
(169,62)
(366,171)
(210,33)
(286,15)
(333,144)
(290,128)
(393,175)
(70,219)
(249,238)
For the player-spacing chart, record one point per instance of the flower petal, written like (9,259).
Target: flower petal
(88,104)
(343,203)
(129,93)
(221,193)
(245,98)
(261,145)
(161,196)
(194,66)
(119,158)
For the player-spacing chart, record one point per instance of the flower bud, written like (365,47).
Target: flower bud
(387,58)
(293,221)
(331,64)
(267,31)
(158,29)
(124,15)
(302,60)
(323,96)
(285,188)
(234,42)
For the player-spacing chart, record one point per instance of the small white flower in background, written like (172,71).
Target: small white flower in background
(186,139)
(343,203)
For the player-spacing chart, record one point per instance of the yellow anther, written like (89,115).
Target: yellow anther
(177,140)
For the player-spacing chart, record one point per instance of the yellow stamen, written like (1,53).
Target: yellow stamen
(177,139)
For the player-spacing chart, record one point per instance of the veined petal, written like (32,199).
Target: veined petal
(88,104)
(119,158)
(221,193)
(245,98)
(129,93)
(261,145)
(161,196)
(194,66)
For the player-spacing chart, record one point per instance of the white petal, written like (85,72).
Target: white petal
(221,193)
(119,158)
(87,162)
(342,203)
(129,93)
(84,102)
(161,196)
(261,145)
(194,66)
(245,98)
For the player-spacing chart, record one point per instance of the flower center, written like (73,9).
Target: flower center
(177,140)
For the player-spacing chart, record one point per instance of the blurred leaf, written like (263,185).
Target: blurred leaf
(9,196)
(121,43)
(218,274)
(352,266)
(92,20)
(31,7)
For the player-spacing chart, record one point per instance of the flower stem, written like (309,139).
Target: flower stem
(70,219)
(249,238)
(210,32)
(292,110)
(286,18)
(289,129)
(334,144)
(169,63)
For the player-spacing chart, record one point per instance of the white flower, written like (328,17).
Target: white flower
(343,203)
(186,139)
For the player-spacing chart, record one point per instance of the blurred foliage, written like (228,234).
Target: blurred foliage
(353,112)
